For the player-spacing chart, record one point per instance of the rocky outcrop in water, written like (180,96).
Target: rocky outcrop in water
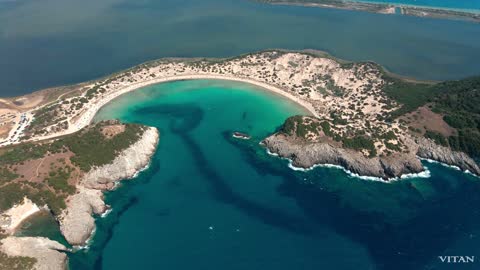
(430,150)
(48,253)
(76,221)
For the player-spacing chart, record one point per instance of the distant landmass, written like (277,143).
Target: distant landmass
(451,10)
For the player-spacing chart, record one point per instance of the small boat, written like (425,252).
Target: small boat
(240,135)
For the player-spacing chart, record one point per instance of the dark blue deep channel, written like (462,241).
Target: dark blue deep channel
(209,201)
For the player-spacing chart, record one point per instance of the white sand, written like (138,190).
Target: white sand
(14,216)
(91,109)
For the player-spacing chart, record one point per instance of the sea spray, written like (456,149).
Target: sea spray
(448,166)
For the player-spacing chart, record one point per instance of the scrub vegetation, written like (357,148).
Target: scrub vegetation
(47,172)
(16,263)
(457,102)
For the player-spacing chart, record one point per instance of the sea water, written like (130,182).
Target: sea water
(57,42)
(210,201)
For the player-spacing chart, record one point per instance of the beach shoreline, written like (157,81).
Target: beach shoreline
(87,117)
(349,96)
(12,218)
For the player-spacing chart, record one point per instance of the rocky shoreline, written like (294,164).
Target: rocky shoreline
(306,155)
(13,217)
(76,221)
(429,150)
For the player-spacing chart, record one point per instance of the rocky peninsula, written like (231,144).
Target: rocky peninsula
(76,221)
(78,168)
(305,154)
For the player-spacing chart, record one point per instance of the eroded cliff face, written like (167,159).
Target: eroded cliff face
(76,221)
(126,165)
(50,255)
(430,150)
(307,154)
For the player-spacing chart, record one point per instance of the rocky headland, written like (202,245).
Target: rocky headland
(78,167)
(308,142)
(76,221)
(429,150)
(306,155)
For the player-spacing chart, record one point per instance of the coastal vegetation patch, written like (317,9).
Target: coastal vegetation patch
(355,105)
(16,262)
(456,101)
(47,172)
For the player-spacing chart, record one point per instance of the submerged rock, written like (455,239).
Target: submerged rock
(240,135)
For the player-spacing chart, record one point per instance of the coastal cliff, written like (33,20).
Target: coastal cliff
(68,180)
(46,254)
(76,221)
(309,141)
(126,164)
(306,155)
(429,150)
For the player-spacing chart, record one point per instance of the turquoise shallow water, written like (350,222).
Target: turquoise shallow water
(209,201)
(47,43)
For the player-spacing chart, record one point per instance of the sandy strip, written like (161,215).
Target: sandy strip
(13,217)
(92,109)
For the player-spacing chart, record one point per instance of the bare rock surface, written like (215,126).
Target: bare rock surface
(76,221)
(126,165)
(306,155)
(48,253)
(429,150)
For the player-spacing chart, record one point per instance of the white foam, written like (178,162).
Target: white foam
(141,170)
(105,214)
(88,243)
(424,174)
(441,163)
(448,166)
(117,184)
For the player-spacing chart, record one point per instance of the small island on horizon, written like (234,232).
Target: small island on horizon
(368,121)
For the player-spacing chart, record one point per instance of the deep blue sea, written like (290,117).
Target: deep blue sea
(47,43)
(209,201)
